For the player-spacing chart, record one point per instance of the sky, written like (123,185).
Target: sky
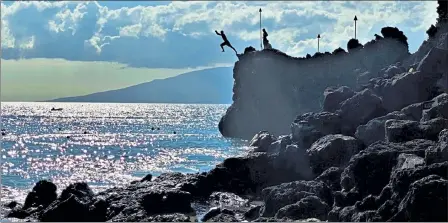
(59,49)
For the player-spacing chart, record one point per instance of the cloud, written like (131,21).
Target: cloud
(180,33)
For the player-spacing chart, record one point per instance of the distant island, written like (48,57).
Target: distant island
(208,86)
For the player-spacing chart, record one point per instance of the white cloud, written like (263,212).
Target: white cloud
(27,44)
(292,26)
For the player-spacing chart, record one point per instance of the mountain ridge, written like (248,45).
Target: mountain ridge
(207,86)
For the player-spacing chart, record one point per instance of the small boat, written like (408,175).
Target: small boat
(56,109)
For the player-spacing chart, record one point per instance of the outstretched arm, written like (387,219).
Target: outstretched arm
(217,33)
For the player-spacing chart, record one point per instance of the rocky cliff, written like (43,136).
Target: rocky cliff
(272,88)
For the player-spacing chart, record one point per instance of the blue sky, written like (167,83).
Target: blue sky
(179,35)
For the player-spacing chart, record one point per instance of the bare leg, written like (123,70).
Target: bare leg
(222,46)
(233,49)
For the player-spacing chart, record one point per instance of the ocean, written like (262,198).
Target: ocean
(107,145)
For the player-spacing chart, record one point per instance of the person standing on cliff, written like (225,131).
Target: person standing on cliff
(226,41)
(266,43)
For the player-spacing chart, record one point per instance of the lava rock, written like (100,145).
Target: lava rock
(71,209)
(334,96)
(261,141)
(309,127)
(438,153)
(425,201)
(81,191)
(405,130)
(331,177)
(308,207)
(276,197)
(43,193)
(374,130)
(359,109)
(437,107)
(332,150)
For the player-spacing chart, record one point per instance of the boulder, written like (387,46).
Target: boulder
(334,96)
(308,207)
(378,160)
(359,109)
(426,201)
(43,193)
(438,153)
(70,209)
(262,141)
(280,145)
(81,191)
(294,160)
(374,130)
(405,130)
(406,88)
(276,197)
(309,127)
(331,177)
(332,151)
(167,201)
(437,107)
(217,214)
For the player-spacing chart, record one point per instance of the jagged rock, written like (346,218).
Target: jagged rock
(229,201)
(331,177)
(70,209)
(437,107)
(334,96)
(332,150)
(405,89)
(294,160)
(434,62)
(374,130)
(405,161)
(308,207)
(405,130)
(276,197)
(280,145)
(261,141)
(438,153)
(148,177)
(217,214)
(253,213)
(43,193)
(359,109)
(309,127)
(168,201)
(377,160)
(414,111)
(425,201)
(393,70)
(81,191)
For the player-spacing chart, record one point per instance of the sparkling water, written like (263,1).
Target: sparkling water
(107,145)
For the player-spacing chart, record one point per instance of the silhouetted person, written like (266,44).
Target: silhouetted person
(266,43)
(226,41)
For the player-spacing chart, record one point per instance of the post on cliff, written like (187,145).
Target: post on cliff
(318,39)
(261,37)
(356,19)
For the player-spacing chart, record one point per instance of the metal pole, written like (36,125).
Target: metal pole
(261,35)
(356,19)
(318,43)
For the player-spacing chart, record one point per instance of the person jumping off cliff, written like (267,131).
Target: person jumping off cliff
(226,41)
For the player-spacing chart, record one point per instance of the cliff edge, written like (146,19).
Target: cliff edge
(272,88)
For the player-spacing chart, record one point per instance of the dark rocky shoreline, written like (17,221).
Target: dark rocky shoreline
(377,153)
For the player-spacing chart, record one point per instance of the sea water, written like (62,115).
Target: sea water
(107,145)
